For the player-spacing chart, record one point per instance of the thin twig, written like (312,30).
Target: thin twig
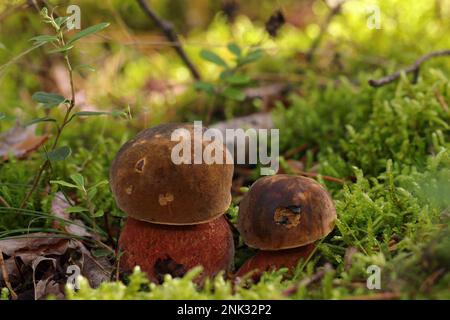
(323,29)
(315,175)
(442,102)
(4,202)
(432,279)
(167,29)
(292,152)
(316,277)
(117,263)
(305,282)
(6,276)
(108,228)
(413,68)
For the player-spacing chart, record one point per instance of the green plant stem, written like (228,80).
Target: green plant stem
(66,120)
(91,211)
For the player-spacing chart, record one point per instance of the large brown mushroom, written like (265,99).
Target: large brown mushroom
(286,214)
(150,187)
(174,210)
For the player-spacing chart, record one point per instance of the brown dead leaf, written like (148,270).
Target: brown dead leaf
(275,22)
(59,206)
(20,141)
(33,250)
(348,257)
(39,291)
(47,287)
(96,270)
(34,245)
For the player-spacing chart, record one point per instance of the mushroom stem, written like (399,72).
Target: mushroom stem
(265,260)
(165,249)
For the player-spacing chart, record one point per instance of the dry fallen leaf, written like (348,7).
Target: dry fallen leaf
(39,291)
(59,206)
(32,246)
(20,141)
(32,250)
(47,287)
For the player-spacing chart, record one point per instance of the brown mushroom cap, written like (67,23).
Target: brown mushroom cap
(282,211)
(148,186)
(165,249)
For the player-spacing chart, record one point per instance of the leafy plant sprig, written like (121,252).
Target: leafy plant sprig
(52,100)
(87,192)
(231,79)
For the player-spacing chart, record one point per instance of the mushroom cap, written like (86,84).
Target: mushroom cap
(165,249)
(283,211)
(150,187)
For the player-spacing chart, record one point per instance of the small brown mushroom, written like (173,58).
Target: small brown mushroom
(150,187)
(284,213)
(166,249)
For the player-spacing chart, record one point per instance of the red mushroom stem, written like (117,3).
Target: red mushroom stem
(265,260)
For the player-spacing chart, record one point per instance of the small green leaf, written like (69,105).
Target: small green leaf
(98,184)
(67,47)
(238,79)
(49,100)
(244,189)
(59,154)
(99,253)
(118,113)
(78,179)
(76,209)
(44,38)
(85,66)
(251,56)
(92,193)
(233,93)
(38,120)
(234,49)
(2,115)
(88,31)
(204,86)
(99,214)
(64,184)
(213,57)
(225,74)
(61,20)
(91,113)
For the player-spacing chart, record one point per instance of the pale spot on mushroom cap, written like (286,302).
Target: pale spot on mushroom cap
(139,142)
(164,199)
(287,217)
(139,166)
(129,190)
